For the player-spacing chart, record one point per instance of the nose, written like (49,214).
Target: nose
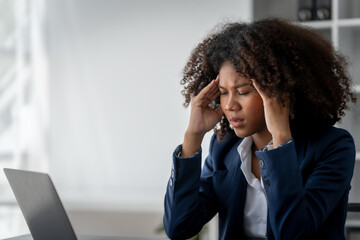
(232,104)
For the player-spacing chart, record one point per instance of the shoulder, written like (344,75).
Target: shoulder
(333,142)
(220,148)
(229,141)
(223,153)
(335,131)
(334,135)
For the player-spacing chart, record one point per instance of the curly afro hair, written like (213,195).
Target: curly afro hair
(284,58)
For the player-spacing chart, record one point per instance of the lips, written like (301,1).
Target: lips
(236,122)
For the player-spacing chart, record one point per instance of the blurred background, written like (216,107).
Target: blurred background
(90,93)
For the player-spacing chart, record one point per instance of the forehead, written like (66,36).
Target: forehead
(229,77)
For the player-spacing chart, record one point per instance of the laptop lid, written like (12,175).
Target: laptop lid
(40,205)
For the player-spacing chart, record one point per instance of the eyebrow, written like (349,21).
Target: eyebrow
(237,86)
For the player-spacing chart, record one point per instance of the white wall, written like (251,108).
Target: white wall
(116,110)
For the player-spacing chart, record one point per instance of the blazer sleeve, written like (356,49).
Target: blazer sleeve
(190,201)
(297,210)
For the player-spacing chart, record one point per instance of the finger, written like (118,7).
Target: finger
(257,87)
(213,93)
(208,98)
(219,111)
(215,87)
(207,88)
(210,89)
(207,94)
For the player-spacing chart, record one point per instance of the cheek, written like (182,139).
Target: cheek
(257,109)
(254,107)
(257,101)
(258,105)
(223,103)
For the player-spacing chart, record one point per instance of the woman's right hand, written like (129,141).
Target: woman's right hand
(202,118)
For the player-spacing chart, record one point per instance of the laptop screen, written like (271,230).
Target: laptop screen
(40,205)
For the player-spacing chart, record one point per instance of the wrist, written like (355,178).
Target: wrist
(194,136)
(192,143)
(281,138)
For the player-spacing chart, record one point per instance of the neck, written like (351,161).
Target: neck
(261,139)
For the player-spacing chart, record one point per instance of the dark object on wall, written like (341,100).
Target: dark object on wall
(306,10)
(323,9)
(314,10)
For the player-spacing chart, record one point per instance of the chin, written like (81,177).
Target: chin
(242,133)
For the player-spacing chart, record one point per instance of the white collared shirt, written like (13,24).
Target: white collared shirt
(255,212)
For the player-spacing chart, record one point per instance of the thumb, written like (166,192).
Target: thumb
(257,87)
(219,111)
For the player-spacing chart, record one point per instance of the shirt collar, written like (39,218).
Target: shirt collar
(244,150)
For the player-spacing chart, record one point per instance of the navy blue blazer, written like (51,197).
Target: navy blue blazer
(306,182)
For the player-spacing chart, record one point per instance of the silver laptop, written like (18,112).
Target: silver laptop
(41,206)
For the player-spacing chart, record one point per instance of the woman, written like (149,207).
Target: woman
(277,168)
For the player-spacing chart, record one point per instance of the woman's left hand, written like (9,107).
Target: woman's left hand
(276,116)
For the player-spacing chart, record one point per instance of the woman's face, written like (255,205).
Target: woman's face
(240,102)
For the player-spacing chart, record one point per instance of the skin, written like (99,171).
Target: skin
(249,110)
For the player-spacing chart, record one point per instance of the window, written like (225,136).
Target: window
(22,117)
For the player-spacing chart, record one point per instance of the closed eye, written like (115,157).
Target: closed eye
(242,93)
